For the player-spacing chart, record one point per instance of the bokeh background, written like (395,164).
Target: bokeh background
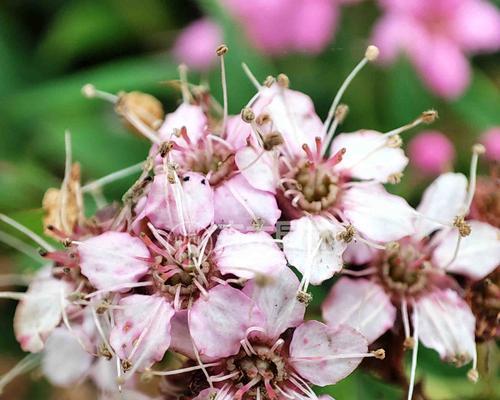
(49,49)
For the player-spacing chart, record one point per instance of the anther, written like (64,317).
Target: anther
(394,141)
(304,297)
(89,90)
(67,242)
(283,81)
(392,247)
(42,252)
(268,82)
(473,375)
(409,343)
(395,178)
(478,148)
(126,365)
(247,115)
(221,50)
(429,116)
(372,53)
(379,354)
(271,140)
(347,235)
(147,376)
(105,352)
(341,112)
(464,228)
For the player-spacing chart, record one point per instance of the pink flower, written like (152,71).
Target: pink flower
(196,44)
(279,26)
(257,355)
(316,187)
(437,36)
(431,152)
(491,141)
(410,275)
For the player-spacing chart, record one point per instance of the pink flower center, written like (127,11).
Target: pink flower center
(311,188)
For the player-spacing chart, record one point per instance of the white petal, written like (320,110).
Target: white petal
(447,325)
(478,254)
(377,214)
(142,329)
(64,361)
(40,311)
(314,347)
(278,302)
(368,157)
(360,304)
(311,247)
(112,259)
(248,255)
(259,167)
(442,201)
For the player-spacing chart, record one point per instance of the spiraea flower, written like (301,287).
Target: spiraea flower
(410,276)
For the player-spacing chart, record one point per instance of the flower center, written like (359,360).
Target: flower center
(312,188)
(266,368)
(185,271)
(216,162)
(404,271)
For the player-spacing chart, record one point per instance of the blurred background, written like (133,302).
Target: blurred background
(432,56)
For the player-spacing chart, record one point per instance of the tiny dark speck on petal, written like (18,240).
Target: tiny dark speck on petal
(185,179)
(203,181)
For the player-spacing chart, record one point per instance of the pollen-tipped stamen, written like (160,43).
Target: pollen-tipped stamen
(370,55)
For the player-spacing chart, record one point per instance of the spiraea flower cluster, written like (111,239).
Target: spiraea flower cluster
(197,285)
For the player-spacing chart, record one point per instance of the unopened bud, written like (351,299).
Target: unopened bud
(146,107)
(371,53)
(221,50)
(247,115)
(429,116)
(283,80)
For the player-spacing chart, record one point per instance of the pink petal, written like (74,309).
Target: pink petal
(196,43)
(443,67)
(360,304)
(478,255)
(314,347)
(259,167)
(40,311)
(278,302)
(64,361)
(476,25)
(186,115)
(442,201)
(446,324)
(358,253)
(367,157)
(311,246)
(248,255)
(183,208)
(293,116)
(142,329)
(240,205)
(113,259)
(219,322)
(377,214)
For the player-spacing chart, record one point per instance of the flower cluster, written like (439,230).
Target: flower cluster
(198,283)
